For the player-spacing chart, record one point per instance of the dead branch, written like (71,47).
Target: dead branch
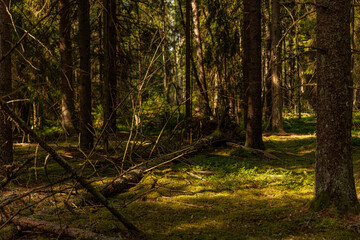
(60,229)
(69,169)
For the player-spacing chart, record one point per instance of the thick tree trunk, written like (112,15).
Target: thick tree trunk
(199,55)
(252,73)
(276,114)
(110,72)
(86,128)
(67,79)
(6,152)
(334,179)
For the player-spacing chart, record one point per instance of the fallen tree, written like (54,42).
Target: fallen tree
(98,196)
(60,229)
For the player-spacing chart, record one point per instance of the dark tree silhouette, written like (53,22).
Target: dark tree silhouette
(6,152)
(252,73)
(86,135)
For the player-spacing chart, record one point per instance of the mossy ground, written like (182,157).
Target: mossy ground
(220,194)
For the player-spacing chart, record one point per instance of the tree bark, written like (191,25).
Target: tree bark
(86,128)
(66,63)
(6,151)
(267,80)
(110,72)
(199,55)
(334,179)
(252,74)
(188,60)
(276,110)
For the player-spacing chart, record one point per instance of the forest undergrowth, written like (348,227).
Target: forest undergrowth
(218,193)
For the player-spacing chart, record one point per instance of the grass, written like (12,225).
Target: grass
(223,194)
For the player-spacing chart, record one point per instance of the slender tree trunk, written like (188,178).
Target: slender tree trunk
(334,179)
(67,80)
(6,147)
(188,60)
(163,46)
(110,72)
(86,128)
(268,94)
(252,73)
(276,114)
(199,55)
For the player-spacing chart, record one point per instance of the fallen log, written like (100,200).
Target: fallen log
(69,169)
(60,229)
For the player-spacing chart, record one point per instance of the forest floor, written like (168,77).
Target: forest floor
(220,193)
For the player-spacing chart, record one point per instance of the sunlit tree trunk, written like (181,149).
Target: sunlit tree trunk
(67,79)
(252,73)
(6,151)
(334,179)
(276,110)
(199,55)
(86,128)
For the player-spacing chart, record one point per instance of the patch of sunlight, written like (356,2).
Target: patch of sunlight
(303,152)
(102,181)
(199,224)
(289,137)
(138,143)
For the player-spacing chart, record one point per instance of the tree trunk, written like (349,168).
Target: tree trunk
(188,60)
(334,179)
(6,152)
(86,128)
(252,73)
(66,62)
(199,55)
(110,73)
(276,114)
(267,80)
(163,46)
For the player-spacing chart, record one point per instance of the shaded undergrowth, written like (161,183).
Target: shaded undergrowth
(220,193)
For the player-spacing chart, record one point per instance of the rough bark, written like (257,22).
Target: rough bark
(199,55)
(6,152)
(86,128)
(252,73)
(276,110)
(334,179)
(66,64)
(110,72)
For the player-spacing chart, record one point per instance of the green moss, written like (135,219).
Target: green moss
(321,202)
(8,232)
